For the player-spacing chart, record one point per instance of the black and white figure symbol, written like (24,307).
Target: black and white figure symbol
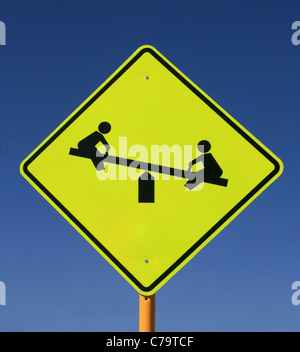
(211,173)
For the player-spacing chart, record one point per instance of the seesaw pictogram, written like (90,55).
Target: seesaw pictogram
(211,173)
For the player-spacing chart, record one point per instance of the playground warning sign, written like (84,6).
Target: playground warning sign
(149,169)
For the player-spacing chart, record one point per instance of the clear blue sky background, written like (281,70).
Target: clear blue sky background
(240,53)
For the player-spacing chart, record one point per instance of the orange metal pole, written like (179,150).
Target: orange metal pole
(147,313)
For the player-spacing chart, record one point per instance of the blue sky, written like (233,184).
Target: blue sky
(241,55)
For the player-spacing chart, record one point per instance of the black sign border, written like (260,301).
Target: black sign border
(208,233)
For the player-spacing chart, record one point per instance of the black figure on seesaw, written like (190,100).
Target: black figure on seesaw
(212,170)
(87,146)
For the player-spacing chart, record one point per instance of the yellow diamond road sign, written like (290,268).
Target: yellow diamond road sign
(149,169)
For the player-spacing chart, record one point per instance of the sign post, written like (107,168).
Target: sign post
(147,313)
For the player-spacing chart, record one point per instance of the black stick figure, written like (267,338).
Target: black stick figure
(87,146)
(212,170)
